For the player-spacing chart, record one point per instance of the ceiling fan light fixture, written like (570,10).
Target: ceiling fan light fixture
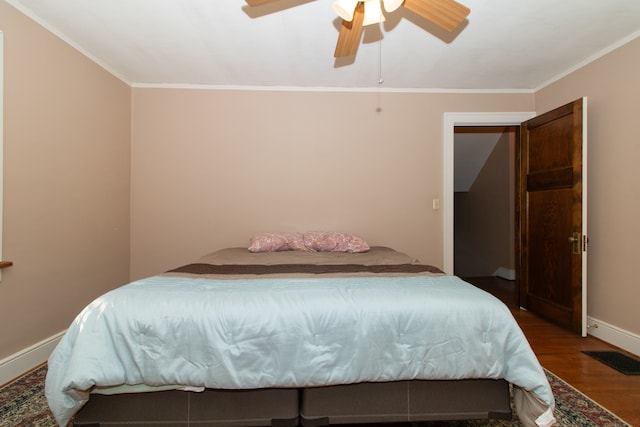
(345,8)
(391,5)
(372,12)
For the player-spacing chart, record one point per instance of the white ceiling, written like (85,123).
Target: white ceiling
(504,44)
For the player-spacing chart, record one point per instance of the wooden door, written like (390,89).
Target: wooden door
(552,216)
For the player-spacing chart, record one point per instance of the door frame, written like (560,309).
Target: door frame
(1,138)
(451,120)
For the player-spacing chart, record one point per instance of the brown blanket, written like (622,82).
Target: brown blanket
(237,263)
(201,268)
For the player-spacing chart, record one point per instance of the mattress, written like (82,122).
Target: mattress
(237,321)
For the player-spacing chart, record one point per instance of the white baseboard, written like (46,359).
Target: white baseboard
(613,335)
(25,360)
(506,273)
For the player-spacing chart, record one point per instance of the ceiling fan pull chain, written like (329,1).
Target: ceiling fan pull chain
(380,79)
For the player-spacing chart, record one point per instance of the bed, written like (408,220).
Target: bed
(295,337)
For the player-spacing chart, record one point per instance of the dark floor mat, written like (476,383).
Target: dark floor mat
(618,361)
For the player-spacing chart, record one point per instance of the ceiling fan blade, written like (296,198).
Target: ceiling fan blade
(447,14)
(350,33)
(259,2)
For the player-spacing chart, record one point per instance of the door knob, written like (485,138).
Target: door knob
(576,239)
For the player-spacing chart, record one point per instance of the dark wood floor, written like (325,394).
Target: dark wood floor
(559,351)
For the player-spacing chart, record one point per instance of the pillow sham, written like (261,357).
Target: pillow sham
(275,242)
(329,241)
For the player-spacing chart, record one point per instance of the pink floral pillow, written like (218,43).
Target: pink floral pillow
(324,241)
(274,242)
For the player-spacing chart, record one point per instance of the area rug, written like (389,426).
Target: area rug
(23,404)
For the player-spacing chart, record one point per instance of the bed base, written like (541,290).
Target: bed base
(392,402)
(405,401)
(265,407)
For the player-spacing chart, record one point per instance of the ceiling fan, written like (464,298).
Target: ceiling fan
(355,14)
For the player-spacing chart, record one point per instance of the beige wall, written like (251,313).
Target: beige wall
(66,183)
(612,87)
(212,167)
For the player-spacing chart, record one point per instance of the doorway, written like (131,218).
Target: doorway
(484,201)
(484,208)
(451,121)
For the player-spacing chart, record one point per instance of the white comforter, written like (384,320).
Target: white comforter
(290,333)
